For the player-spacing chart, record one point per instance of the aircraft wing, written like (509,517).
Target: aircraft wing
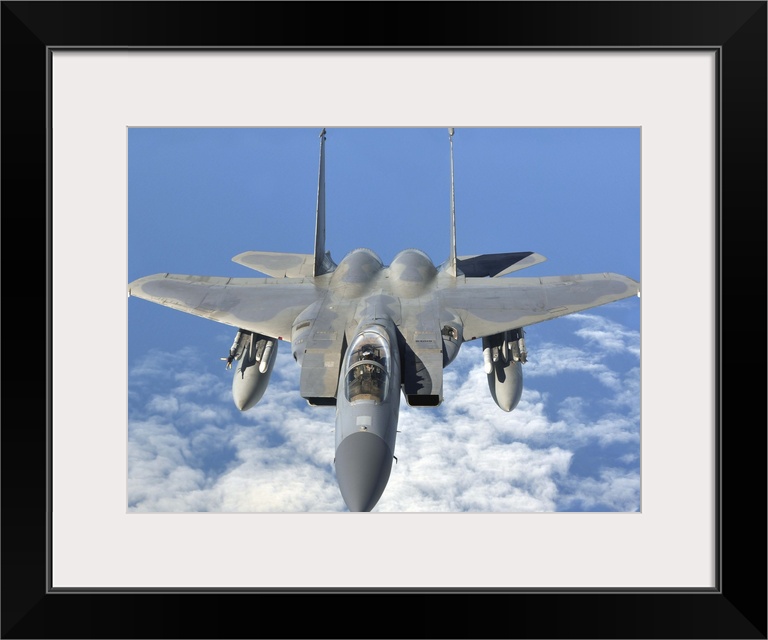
(488,307)
(265,305)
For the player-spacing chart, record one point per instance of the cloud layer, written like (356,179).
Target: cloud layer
(573,442)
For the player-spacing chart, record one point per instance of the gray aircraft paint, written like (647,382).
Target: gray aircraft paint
(427,311)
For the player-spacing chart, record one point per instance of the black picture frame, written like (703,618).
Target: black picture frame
(735,608)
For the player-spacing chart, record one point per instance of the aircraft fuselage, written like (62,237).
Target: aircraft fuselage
(372,374)
(367,407)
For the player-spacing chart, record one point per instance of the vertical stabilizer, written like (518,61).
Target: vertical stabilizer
(323,262)
(452,255)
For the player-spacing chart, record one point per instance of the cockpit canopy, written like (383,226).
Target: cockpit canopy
(367,366)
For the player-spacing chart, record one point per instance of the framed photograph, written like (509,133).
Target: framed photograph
(572,437)
(102,517)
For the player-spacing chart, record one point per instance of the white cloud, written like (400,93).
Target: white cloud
(613,490)
(608,336)
(191,383)
(164,405)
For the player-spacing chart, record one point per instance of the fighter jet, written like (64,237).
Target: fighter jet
(366,335)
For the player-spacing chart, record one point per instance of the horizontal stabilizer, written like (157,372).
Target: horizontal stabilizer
(497,264)
(278,265)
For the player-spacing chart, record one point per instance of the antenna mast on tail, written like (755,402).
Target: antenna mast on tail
(452,256)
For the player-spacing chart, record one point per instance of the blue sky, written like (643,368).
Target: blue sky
(198,197)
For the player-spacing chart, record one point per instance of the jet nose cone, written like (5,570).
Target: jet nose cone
(363,465)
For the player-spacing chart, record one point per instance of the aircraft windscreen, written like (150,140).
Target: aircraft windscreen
(367,368)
